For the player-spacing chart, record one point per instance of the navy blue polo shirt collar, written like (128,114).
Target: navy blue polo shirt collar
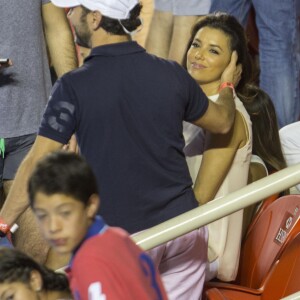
(117,49)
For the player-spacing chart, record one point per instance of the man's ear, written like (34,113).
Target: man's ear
(93,205)
(36,282)
(96,19)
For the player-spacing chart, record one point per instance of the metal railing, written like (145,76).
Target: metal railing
(218,208)
(295,296)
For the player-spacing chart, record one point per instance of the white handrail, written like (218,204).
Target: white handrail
(218,208)
(295,296)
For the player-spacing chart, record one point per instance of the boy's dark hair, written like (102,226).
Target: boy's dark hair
(65,173)
(16,266)
(113,26)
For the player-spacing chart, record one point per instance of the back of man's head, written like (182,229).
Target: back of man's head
(64,173)
(119,17)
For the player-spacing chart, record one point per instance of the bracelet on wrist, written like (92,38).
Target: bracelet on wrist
(227,84)
(5,229)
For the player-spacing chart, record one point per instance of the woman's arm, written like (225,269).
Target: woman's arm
(220,150)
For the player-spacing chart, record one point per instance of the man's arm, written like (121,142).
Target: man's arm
(59,39)
(60,42)
(17,201)
(219,116)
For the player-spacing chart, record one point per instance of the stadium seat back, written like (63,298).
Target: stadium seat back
(267,238)
(282,280)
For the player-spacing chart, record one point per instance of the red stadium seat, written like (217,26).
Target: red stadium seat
(265,203)
(274,227)
(265,240)
(282,280)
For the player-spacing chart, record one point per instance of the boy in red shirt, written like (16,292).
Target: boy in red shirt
(106,263)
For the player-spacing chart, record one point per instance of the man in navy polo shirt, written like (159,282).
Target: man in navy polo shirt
(126,108)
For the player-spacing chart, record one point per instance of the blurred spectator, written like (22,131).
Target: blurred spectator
(27,27)
(171,24)
(23,278)
(290,142)
(106,263)
(276,22)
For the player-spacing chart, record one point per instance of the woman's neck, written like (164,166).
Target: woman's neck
(211,88)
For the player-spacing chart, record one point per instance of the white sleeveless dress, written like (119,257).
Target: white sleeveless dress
(225,234)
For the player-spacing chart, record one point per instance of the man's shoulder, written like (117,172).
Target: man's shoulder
(78,72)
(75,78)
(168,63)
(170,70)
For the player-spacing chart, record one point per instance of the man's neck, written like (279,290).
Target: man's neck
(104,38)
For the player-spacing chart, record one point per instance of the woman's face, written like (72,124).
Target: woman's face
(17,291)
(208,56)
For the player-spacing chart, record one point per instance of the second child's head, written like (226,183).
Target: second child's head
(64,197)
(22,278)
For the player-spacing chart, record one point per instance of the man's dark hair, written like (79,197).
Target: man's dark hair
(113,26)
(64,173)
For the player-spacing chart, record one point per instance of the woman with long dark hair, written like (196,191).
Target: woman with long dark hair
(219,163)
